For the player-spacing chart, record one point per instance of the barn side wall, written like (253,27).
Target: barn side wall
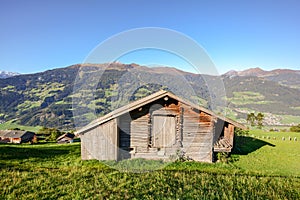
(197,134)
(28,136)
(100,143)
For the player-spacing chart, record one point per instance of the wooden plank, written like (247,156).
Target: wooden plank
(203,157)
(222,149)
(140,131)
(164,131)
(203,145)
(231,133)
(101,143)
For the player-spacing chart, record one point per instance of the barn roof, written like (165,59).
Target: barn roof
(13,133)
(148,99)
(66,135)
(3,132)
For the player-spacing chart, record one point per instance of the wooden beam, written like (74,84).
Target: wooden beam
(231,133)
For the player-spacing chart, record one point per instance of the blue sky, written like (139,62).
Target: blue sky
(39,35)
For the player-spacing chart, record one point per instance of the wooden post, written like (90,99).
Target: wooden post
(181,125)
(150,139)
(226,132)
(231,133)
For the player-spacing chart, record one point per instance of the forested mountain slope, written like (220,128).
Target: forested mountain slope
(47,98)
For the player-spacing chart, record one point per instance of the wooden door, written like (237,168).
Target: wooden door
(164,131)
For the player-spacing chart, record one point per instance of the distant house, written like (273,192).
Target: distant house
(16,136)
(65,138)
(156,127)
(2,137)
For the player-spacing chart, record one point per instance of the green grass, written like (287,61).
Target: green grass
(243,98)
(296,108)
(267,153)
(230,114)
(10,88)
(29,105)
(53,171)
(288,119)
(44,90)
(11,125)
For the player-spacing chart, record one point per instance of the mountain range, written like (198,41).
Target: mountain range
(5,74)
(287,77)
(77,94)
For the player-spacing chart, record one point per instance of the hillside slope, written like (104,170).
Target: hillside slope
(47,98)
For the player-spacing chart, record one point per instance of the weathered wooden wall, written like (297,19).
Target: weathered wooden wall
(197,134)
(16,140)
(143,142)
(101,142)
(229,132)
(193,132)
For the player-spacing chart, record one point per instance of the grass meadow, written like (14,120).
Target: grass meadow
(12,125)
(267,153)
(260,168)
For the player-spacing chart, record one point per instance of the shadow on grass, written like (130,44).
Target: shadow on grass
(244,145)
(12,152)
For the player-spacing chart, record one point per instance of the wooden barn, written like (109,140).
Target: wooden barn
(65,138)
(156,127)
(16,136)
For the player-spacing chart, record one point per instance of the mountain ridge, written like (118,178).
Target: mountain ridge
(260,72)
(46,98)
(6,74)
(286,77)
